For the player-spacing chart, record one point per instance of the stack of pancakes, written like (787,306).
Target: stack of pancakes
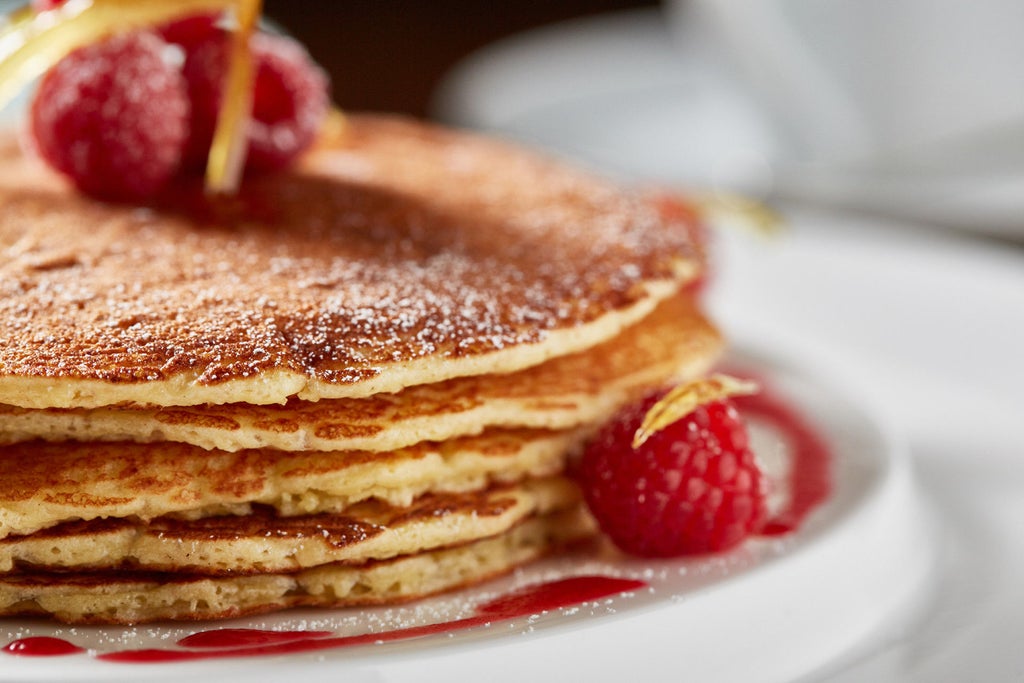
(356,383)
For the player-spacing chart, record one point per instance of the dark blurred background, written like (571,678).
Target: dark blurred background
(388,55)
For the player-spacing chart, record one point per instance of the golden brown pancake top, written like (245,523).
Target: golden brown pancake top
(400,242)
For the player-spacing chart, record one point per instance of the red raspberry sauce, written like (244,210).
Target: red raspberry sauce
(810,473)
(524,602)
(41,646)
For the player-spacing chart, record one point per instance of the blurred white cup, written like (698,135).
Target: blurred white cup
(920,85)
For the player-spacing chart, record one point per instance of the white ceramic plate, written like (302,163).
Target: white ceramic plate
(859,560)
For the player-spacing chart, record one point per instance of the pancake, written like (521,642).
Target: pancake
(263,542)
(44,484)
(674,343)
(402,255)
(120,597)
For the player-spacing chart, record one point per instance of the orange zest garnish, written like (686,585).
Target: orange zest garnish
(334,127)
(227,153)
(724,208)
(686,398)
(32,42)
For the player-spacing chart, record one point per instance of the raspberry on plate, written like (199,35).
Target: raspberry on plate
(113,117)
(692,486)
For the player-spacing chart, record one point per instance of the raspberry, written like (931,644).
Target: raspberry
(190,31)
(692,487)
(113,117)
(290,98)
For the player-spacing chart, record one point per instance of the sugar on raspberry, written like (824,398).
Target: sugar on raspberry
(692,486)
(113,117)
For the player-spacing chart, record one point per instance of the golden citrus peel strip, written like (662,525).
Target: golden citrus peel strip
(729,208)
(684,399)
(227,153)
(333,128)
